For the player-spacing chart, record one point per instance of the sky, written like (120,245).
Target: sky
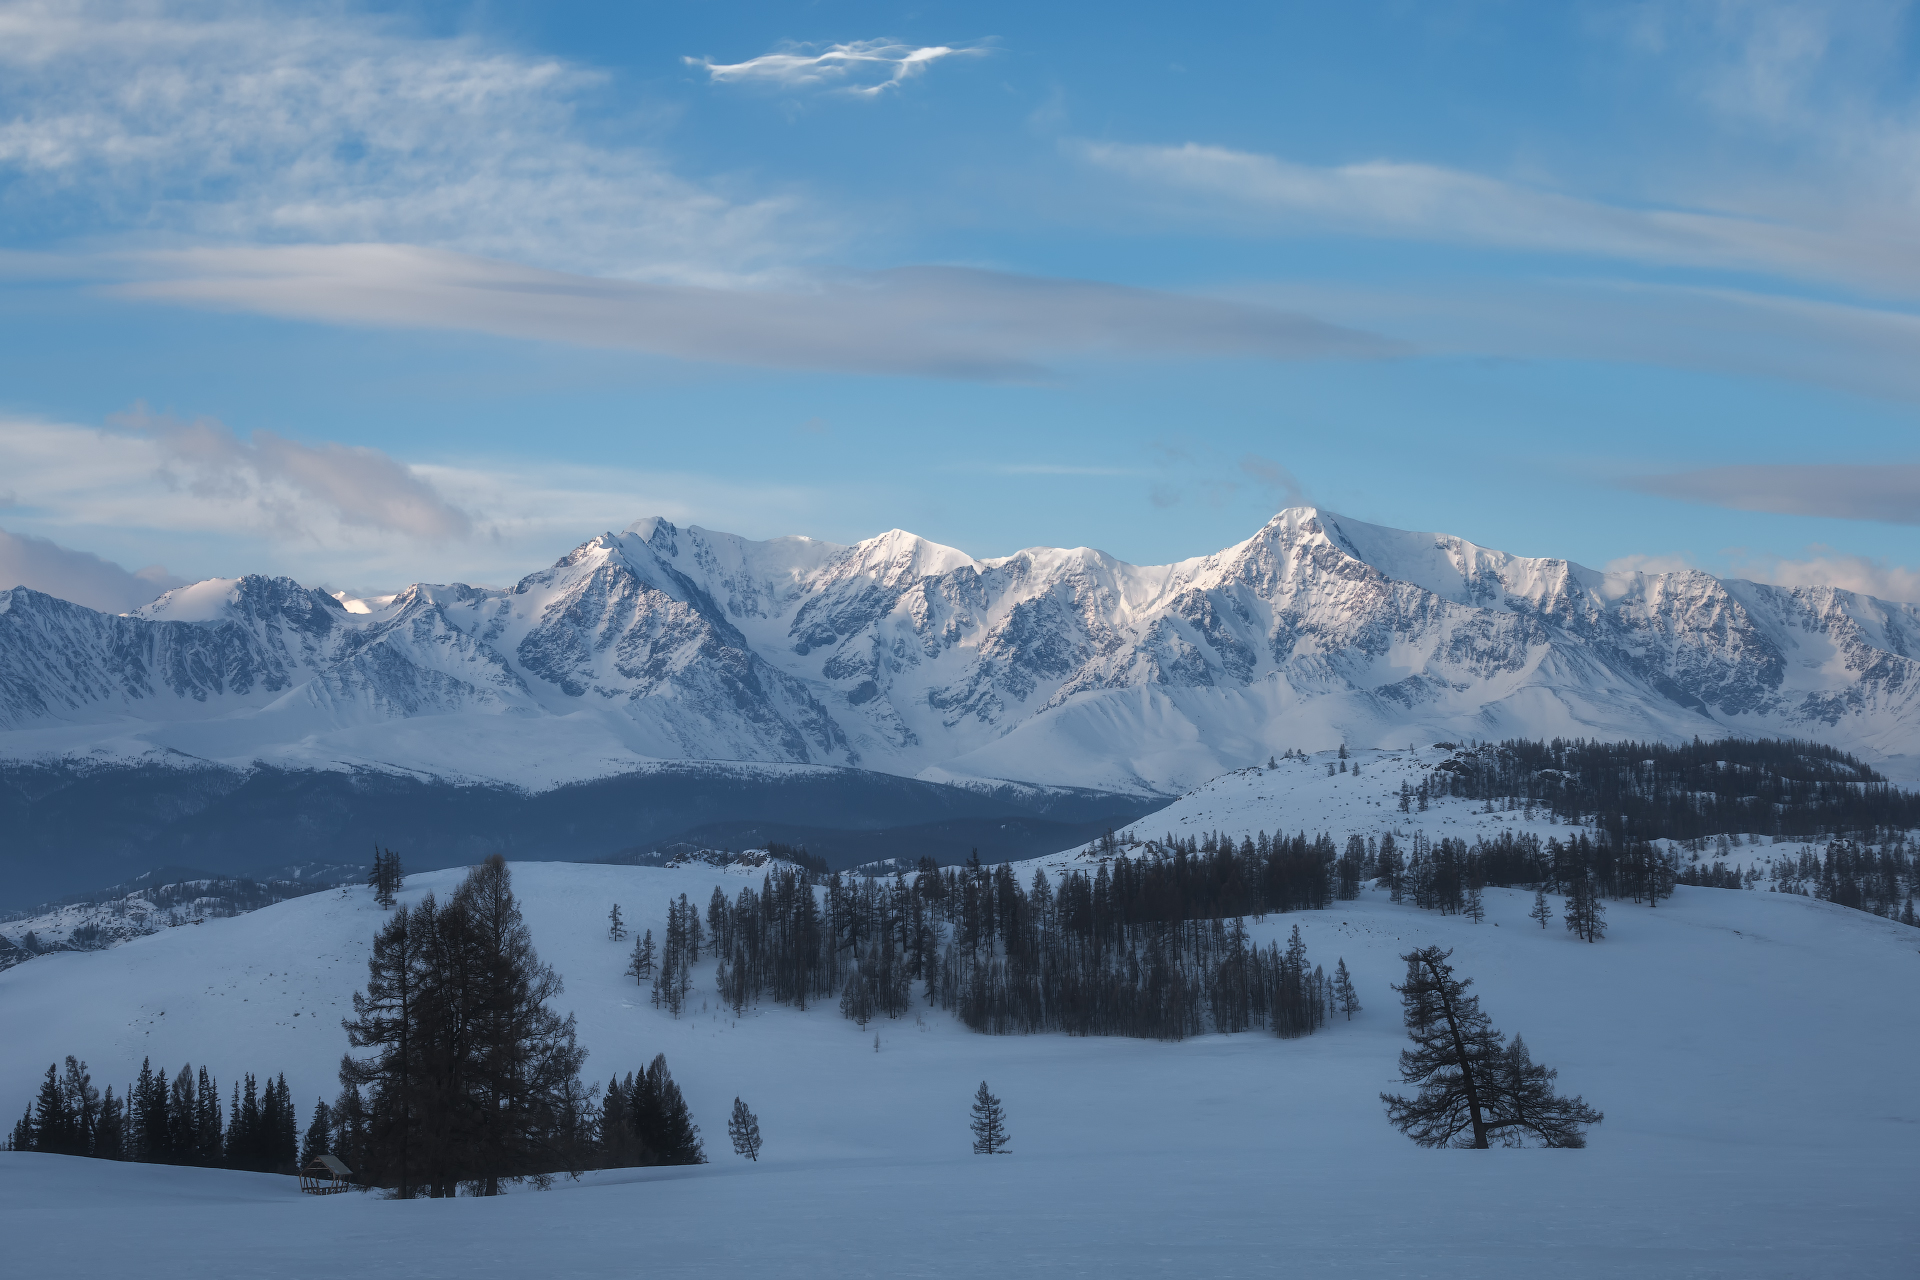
(375,294)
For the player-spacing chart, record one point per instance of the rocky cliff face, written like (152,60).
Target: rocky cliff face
(1049,666)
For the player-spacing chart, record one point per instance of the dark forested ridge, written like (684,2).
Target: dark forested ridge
(1650,790)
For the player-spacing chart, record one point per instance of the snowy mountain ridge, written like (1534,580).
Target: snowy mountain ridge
(1050,666)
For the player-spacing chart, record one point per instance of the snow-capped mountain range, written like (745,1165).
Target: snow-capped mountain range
(898,655)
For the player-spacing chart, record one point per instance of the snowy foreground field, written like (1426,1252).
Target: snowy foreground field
(1754,1054)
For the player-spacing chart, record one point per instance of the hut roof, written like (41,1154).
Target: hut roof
(333,1164)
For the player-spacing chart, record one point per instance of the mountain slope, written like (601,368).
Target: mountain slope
(1056,667)
(1746,1047)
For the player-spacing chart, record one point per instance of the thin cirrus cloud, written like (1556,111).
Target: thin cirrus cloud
(1889,493)
(866,68)
(944,322)
(269,122)
(1412,201)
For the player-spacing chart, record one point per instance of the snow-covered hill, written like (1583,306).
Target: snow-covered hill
(1058,667)
(1752,1051)
(1319,793)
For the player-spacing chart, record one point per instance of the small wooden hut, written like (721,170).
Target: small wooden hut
(324,1175)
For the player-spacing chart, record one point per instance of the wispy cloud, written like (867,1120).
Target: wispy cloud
(152,472)
(1889,493)
(286,481)
(1431,203)
(1273,477)
(920,321)
(1642,562)
(206,498)
(863,67)
(1061,469)
(1826,567)
(79,576)
(274,122)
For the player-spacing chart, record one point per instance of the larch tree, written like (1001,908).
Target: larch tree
(744,1128)
(1541,910)
(1474,1090)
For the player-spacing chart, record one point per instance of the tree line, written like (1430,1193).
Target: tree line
(1649,790)
(157,1121)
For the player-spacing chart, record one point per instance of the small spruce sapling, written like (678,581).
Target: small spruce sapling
(744,1128)
(988,1123)
(1541,911)
(1343,991)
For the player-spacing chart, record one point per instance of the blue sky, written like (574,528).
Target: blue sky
(374,294)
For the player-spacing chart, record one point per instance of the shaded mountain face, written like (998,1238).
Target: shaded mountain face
(1055,667)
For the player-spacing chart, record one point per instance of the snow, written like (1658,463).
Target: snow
(1062,667)
(1752,1053)
(206,601)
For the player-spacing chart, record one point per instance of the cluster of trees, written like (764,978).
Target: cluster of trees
(157,1121)
(644,1121)
(1473,1088)
(1448,875)
(1154,945)
(1648,790)
(471,1078)
(1883,880)
(680,951)
(385,877)
(1105,955)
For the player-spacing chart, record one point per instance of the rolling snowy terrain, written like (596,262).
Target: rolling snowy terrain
(1752,1052)
(1054,667)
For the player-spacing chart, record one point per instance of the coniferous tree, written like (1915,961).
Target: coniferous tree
(474,1080)
(524,1065)
(110,1139)
(152,1143)
(641,967)
(619,1141)
(1541,911)
(1474,1088)
(988,1123)
(319,1137)
(662,1119)
(281,1128)
(386,877)
(1343,990)
(54,1128)
(1585,914)
(616,927)
(183,1115)
(744,1128)
(208,1142)
(390,1016)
